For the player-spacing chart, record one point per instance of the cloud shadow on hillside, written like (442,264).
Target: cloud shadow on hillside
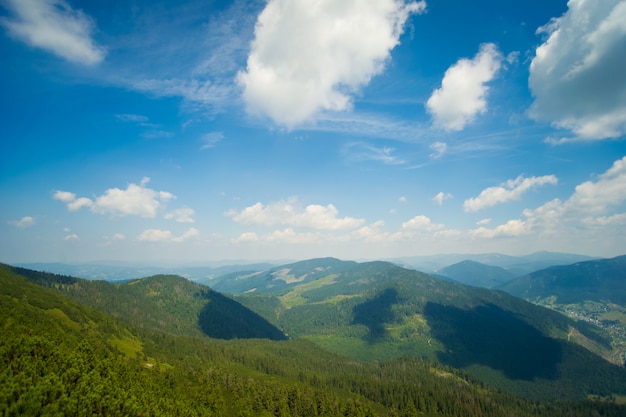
(375,313)
(488,335)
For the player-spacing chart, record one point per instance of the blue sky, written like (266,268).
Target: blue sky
(193,131)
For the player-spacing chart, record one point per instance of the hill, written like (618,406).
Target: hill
(379,311)
(600,280)
(166,302)
(476,274)
(594,291)
(63,358)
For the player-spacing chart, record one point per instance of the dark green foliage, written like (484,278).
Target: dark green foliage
(600,280)
(377,311)
(224,318)
(165,302)
(477,274)
(56,359)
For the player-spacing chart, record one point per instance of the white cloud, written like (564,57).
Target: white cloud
(577,76)
(440,197)
(248,237)
(608,191)
(463,92)
(119,236)
(510,190)
(291,236)
(290,213)
(439,149)
(421,223)
(156,235)
(183,215)
(307,57)
(510,228)
(402,199)
(483,222)
(136,200)
(591,206)
(64,196)
(24,222)
(210,140)
(54,26)
(73,236)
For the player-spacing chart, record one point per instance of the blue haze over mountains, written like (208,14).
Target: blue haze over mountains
(119,271)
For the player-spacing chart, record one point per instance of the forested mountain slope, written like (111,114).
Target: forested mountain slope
(62,358)
(165,302)
(479,275)
(379,311)
(600,280)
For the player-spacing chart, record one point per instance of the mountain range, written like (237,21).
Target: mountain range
(341,318)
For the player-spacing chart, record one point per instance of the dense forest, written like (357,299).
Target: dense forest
(61,357)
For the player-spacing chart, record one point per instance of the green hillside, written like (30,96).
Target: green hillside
(166,302)
(476,274)
(62,358)
(600,280)
(378,311)
(593,291)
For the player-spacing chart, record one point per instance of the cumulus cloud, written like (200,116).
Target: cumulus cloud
(54,26)
(463,92)
(72,236)
(440,197)
(307,57)
(183,215)
(577,76)
(290,213)
(156,235)
(510,228)
(24,222)
(421,223)
(136,200)
(510,190)
(593,204)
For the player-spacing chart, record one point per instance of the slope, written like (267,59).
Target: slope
(379,311)
(600,280)
(476,274)
(169,303)
(61,358)
(594,291)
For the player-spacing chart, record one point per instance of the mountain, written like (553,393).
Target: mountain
(476,274)
(594,291)
(61,357)
(600,280)
(379,311)
(517,265)
(166,302)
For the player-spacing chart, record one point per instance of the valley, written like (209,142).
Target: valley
(316,337)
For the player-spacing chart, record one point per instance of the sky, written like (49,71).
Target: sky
(198,130)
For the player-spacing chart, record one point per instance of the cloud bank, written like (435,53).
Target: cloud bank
(309,56)
(510,190)
(577,76)
(290,213)
(135,200)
